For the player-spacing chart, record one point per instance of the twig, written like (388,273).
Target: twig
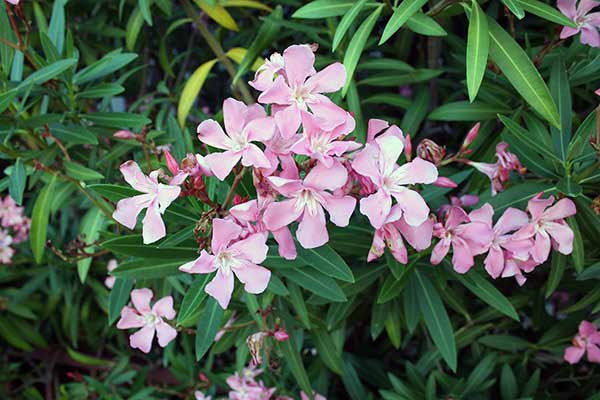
(49,134)
(234,185)
(10,44)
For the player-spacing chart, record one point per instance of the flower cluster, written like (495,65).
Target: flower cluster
(14,228)
(307,169)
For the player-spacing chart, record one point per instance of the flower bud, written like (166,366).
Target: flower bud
(124,134)
(408,148)
(281,335)
(171,163)
(444,182)
(471,135)
(431,151)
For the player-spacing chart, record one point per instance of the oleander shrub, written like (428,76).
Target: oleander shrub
(332,199)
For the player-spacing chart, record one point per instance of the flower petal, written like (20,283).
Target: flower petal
(165,333)
(221,288)
(224,232)
(254,277)
(253,248)
(153,227)
(211,133)
(130,319)
(281,214)
(142,339)
(312,230)
(164,308)
(141,299)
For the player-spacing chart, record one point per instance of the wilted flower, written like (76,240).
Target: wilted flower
(431,151)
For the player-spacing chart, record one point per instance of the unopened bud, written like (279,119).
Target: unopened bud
(431,151)
(471,135)
(237,199)
(281,335)
(408,148)
(444,182)
(124,134)
(171,163)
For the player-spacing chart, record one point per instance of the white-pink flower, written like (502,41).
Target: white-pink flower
(587,23)
(230,257)
(155,199)
(587,340)
(299,87)
(378,162)
(267,72)
(6,252)
(305,202)
(151,320)
(244,125)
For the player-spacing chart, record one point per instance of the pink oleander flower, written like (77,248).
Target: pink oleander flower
(11,215)
(21,230)
(109,282)
(245,387)
(6,252)
(305,202)
(377,128)
(299,87)
(155,199)
(548,227)
(503,240)
(324,146)
(587,23)
(229,257)
(515,265)
(587,340)
(467,200)
(467,238)
(198,395)
(250,214)
(266,73)
(316,396)
(281,335)
(445,182)
(378,162)
(244,125)
(390,235)
(151,320)
(499,172)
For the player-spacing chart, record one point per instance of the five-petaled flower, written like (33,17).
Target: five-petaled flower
(587,23)
(586,341)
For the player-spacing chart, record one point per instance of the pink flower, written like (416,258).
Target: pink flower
(232,257)
(300,87)
(391,233)
(11,214)
(198,395)
(378,162)
(516,265)
(109,282)
(244,125)
(305,202)
(245,387)
(321,145)
(445,182)
(14,2)
(6,252)
(281,335)
(499,172)
(316,396)
(587,23)
(155,199)
(151,320)
(502,238)
(588,340)
(377,128)
(547,226)
(467,238)
(266,73)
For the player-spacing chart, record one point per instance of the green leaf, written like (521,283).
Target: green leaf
(425,25)
(561,92)
(323,9)
(385,64)
(486,291)
(316,282)
(480,374)
(357,45)
(118,298)
(46,73)
(145,9)
(591,272)
(39,220)
(88,360)
(291,357)
(195,295)
(504,342)
(56,29)
(11,334)
(392,286)
(546,11)
(401,14)
(103,67)
(134,27)
(120,120)
(508,383)
(436,319)
(557,269)
(6,52)
(92,223)
(191,89)
(518,196)
(415,114)
(208,326)
(102,90)
(17,181)
(73,134)
(327,350)
(354,387)
(478,43)
(578,255)
(298,303)
(326,260)
(79,172)
(515,8)
(466,111)
(390,99)
(132,245)
(521,73)
(527,138)
(148,268)
(7,97)
(346,21)
(396,79)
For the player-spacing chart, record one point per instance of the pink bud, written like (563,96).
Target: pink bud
(471,135)
(281,335)
(408,148)
(597,92)
(237,199)
(124,134)
(171,163)
(444,182)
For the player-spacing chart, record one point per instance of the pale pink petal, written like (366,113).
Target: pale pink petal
(377,246)
(541,247)
(375,126)
(462,258)
(221,288)
(288,121)
(298,61)
(202,265)
(484,214)
(573,354)
(247,211)
(323,178)
(253,156)
(562,209)
(590,36)
(585,6)
(390,149)
(128,209)
(134,176)
(440,251)
(416,171)
(567,7)
(234,117)
(329,79)
(260,129)
(456,216)
(254,111)
(211,133)
(285,186)
(254,277)
(141,299)
(221,164)
(253,248)
(567,31)
(415,209)
(166,195)
(537,205)
(164,308)
(562,235)
(142,339)
(281,214)
(593,353)
(366,164)
(419,237)
(153,227)
(312,230)
(376,207)
(285,240)
(477,235)
(511,220)
(224,231)
(330,115)
(278,93)
(130,319)
(396,244)
(340,208)
(587,329)
(494,262)
(165,333)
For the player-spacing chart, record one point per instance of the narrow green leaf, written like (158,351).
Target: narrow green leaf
(578,255)
(195,295)
(208,326)
(561,92)
(148,268)
(292,359)
(390,99)
(79,172)
(508,383)
(326,260)
(478,43)
(46,73)
(466,111)
(327,350)
(346,21)
(91,224)
(557,269)
(73,134)
(316,282)
(392,287)
(6,52)
(87,359)
(546,11)
(415,114)
(515,8)
(401,14)
(118,298)
(117,119)
(325,8)
(591,272)
(134,26)
(526,138)
(480,374)
(436,319)
(39,220)
(17,180)
(518,196)
(521,73)
(357,45)
(425,25)
(145,9)
(56,29)
(298,304)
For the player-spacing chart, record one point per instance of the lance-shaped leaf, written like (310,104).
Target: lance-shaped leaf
(478,42)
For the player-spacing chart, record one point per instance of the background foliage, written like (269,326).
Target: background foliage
(85,69)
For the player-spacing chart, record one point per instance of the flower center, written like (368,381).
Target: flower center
(239,144)
(151,318)
(306,200)
(300,95)
(320,144)
(226,262)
